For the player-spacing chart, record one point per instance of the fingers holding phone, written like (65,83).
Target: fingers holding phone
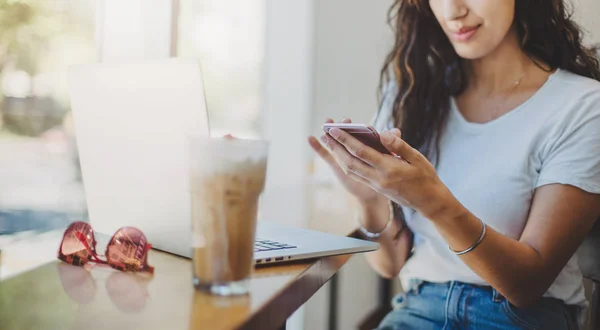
(365,134)
(318,146)
(353,184)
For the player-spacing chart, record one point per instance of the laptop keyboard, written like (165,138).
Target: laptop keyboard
(268,245)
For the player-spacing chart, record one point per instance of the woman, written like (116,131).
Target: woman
(497,167)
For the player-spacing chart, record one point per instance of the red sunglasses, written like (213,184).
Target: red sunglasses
(127,249)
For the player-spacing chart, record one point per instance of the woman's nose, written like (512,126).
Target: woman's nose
(455,9)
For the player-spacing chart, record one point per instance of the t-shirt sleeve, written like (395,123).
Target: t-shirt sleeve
(573,156)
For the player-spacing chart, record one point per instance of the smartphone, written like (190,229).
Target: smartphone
(363,133)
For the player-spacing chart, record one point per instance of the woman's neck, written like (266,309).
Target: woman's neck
(497,72)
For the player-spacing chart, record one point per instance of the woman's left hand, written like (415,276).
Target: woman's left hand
(408,179)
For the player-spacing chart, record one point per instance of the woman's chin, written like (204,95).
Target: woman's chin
(470,52)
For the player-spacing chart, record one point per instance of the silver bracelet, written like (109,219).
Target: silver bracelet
(371,235)
(458,253)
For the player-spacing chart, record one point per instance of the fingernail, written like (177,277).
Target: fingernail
(387,136)
(334,132)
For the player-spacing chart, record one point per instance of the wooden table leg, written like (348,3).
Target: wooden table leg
(333,301)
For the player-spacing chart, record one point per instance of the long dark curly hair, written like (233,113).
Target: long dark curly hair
(428,71)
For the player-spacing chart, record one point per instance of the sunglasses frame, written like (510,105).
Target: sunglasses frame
(93,255)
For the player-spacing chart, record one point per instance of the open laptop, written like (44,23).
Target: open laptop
(131,123)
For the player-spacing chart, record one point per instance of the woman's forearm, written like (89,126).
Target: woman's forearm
(512,267)
(394,249)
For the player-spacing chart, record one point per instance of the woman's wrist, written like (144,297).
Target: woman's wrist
(374,213)
(373,204)
(447,209)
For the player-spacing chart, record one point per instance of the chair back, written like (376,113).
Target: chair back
(589,262)
(589,255)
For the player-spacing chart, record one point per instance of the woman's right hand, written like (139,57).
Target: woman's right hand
(362,192)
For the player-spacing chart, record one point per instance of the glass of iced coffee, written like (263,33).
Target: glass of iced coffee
(227,178)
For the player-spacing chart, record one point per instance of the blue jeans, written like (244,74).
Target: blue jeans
(456,305)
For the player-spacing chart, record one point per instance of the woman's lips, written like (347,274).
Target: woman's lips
(465,34)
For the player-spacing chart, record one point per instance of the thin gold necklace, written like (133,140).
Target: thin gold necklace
(516,84)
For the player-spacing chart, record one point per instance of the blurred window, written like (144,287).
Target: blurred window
(40,179)
(228,39)
(41,186)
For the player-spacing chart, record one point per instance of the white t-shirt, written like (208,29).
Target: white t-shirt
(494,168)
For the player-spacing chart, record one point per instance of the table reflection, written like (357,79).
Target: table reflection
(236,306)
(127,291)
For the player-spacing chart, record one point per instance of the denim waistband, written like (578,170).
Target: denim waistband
(415,285)
(452,305)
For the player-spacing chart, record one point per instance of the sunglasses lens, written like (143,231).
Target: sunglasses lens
(73,248)
(127,250)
